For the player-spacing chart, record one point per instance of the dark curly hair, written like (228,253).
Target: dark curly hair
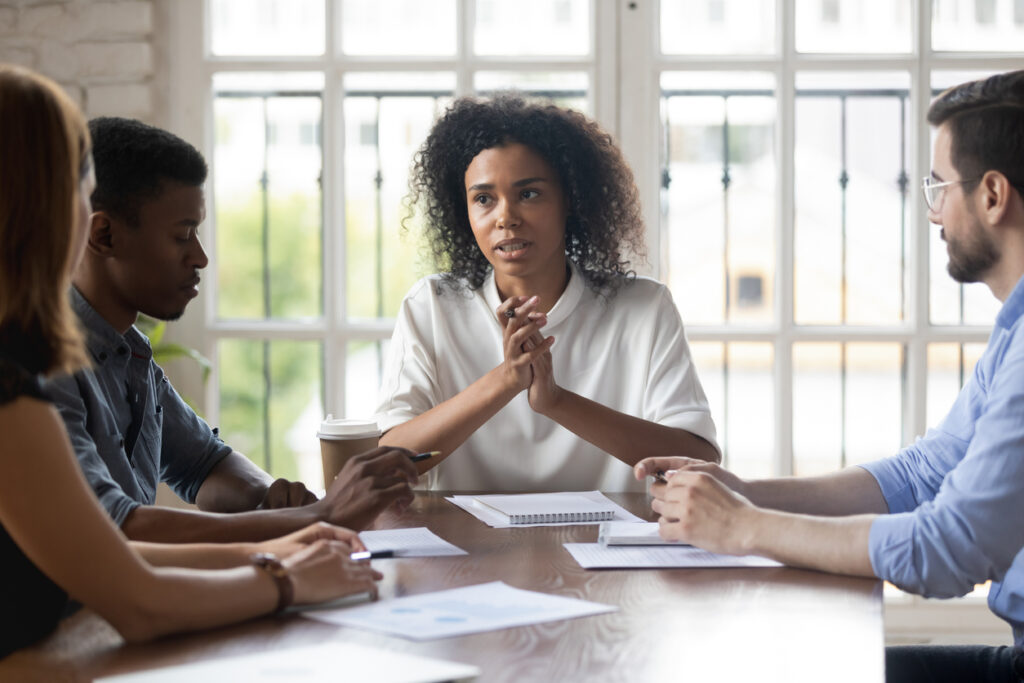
(604,225)
(133,160)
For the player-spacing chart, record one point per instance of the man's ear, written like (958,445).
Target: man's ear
(994,196)
(101,237)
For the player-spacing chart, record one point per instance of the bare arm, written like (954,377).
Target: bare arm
(224,555)
(851,491)
(368,484)
(77,545)
(447,425)
(170,525)
(236,484)
(697,508)
(628,438)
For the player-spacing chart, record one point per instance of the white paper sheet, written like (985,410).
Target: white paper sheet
(496,520)
(461,611)
(597,556)
(415,542)
(327,662)
(628,533)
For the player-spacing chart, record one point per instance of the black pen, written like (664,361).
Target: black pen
(371,555)
(423,456)
(663,475)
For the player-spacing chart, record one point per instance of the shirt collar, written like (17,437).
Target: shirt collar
(562,308)
(1013,307)
(102,340)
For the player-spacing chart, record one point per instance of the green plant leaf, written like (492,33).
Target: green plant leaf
(170,351)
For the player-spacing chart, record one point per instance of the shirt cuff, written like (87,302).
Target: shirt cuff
(891,549)
(118,506)
(898,496)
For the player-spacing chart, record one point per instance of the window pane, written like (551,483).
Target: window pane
(364,362)
(851,171)
(719,202)
(532,27)
(847,404)
(949,368)
(817,408)
(267,167)
(737,378)
(978,25)
(398,27)
(716,27)
(857,26)
(384,127)
(267,27)
(271,404)
(565,88)
(953,303)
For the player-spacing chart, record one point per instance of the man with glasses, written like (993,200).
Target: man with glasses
(947,512)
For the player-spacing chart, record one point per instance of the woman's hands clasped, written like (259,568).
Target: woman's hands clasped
(527,363)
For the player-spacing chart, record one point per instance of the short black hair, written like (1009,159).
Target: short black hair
(605,224)
(133,160)
(986,123)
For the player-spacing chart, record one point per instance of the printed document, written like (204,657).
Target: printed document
(460,611)
(597,556)
(415,542)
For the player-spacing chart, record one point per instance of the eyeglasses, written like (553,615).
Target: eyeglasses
(934,192)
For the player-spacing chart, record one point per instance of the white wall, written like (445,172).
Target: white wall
(101,52)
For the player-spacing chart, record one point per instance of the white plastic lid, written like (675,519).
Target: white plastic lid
(356,428)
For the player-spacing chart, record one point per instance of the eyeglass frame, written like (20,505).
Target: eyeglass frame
(927,186)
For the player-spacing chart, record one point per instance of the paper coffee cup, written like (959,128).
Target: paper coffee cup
(341,439)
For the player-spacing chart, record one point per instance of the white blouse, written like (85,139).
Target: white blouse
(628,353)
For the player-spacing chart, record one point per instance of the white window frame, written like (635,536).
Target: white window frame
(623,68)
(190,86)
(641,136)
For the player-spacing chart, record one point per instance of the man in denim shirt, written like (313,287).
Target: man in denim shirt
(947,512)
(127,424)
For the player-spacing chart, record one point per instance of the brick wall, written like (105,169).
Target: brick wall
(101,51)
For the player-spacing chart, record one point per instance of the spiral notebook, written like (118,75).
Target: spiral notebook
(542,508)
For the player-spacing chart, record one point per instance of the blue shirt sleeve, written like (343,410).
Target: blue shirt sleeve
(189,449)
(67,397)
(958,493)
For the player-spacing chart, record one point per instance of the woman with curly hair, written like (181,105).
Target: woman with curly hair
(533,214)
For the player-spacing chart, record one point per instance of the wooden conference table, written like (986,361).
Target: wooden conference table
(672,625)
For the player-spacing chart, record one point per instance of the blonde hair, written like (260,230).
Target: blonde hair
(44,155)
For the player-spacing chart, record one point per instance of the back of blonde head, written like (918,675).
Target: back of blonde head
(43,156)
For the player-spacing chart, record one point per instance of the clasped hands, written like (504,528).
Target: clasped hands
(527,363)
(702,504)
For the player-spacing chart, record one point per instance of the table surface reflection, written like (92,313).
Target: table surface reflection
(776,624)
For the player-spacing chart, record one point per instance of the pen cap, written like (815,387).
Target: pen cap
(344,429)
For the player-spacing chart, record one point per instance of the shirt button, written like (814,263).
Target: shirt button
(121,351)
(103,355)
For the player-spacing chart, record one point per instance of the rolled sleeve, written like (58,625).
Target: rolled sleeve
(189,447)
(970,531)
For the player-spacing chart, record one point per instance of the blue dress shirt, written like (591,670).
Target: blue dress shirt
(128,426)
(956,496)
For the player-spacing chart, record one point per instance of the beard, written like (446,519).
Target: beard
(972,257)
